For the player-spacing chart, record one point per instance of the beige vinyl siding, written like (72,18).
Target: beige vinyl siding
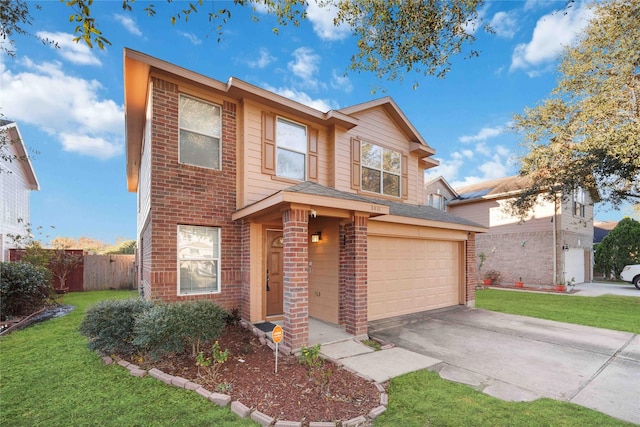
(494,213)
(258,185)
(323,271)
(375,126)
(577,224)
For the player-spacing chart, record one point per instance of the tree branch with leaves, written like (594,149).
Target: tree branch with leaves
(587,133)
(394,37)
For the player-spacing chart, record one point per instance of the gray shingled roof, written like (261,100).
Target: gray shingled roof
(494,187)
(395,208)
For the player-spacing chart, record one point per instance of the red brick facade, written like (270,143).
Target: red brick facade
(295,230)
(470,270)
(353,276)
(189,195)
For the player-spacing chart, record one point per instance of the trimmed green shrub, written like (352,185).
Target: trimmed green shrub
(24,288)
(110,325)
(178,327)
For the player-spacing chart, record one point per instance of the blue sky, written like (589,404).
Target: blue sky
(68,102)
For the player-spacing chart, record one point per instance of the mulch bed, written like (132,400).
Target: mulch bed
(295,393)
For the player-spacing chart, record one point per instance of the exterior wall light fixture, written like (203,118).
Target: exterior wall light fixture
(316,237)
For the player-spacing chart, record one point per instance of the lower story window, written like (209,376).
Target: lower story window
(198,259)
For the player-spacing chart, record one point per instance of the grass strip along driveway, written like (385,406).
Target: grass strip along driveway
(607,311)
(48,377)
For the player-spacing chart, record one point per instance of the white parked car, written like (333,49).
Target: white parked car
(631,274)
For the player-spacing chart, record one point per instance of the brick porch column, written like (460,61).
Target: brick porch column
(295,229)
(355,275)
(471,280)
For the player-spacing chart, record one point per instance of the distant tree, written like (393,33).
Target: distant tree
(61,264)
(394,37)
(619,248)
(122,247)
(88,244)
(587,133)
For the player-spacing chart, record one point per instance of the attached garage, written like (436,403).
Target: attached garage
(411,274)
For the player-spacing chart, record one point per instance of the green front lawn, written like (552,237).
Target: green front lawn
(422,399)
(607,311)
(48,377)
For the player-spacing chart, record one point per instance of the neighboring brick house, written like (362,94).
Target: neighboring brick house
(526,249)
(17,180)
(285,212)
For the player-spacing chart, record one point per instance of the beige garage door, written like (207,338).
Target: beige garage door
(410,275)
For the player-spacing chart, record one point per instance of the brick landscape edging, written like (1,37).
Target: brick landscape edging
(244,411)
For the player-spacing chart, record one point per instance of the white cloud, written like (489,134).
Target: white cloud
(341,82)
(191,37)
(504,24)
(68,108)
(90,146)
(262,60)
(552,32)
(323,105)
(483,135)
(471,26)
(481,164)
(128,23)
(305,63)
(76,52)
(322,20)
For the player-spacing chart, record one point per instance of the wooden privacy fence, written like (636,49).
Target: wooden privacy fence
(103,272)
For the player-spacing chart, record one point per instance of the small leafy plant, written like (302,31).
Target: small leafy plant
(310,356)
(212,364)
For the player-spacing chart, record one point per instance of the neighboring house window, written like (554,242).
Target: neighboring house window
(291,153)
(380,169)
(198,259)
(438,201)
(200,133)
(579,203)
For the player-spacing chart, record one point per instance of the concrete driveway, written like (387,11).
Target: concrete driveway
(522,358)
(596,289)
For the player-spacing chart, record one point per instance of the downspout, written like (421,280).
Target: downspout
(555,246)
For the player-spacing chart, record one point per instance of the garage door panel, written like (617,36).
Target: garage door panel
(410,275)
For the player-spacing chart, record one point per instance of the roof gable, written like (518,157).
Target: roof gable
(16,144)
(419,144)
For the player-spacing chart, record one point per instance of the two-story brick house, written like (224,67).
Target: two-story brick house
(551,245)
(285,212)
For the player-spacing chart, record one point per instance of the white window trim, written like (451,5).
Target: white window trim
(219,259)
(199,133)
(382,171)
(278,147)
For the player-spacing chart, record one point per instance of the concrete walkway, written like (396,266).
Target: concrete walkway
(379,365)
(521,358)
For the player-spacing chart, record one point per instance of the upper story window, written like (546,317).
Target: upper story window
(579,202)
(381,169)
(438,201)
(291,153)
(200,133)
(198,259)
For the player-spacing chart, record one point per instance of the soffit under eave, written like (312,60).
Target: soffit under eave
(397,219)
(136,83)
(325,206)
(21,149)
